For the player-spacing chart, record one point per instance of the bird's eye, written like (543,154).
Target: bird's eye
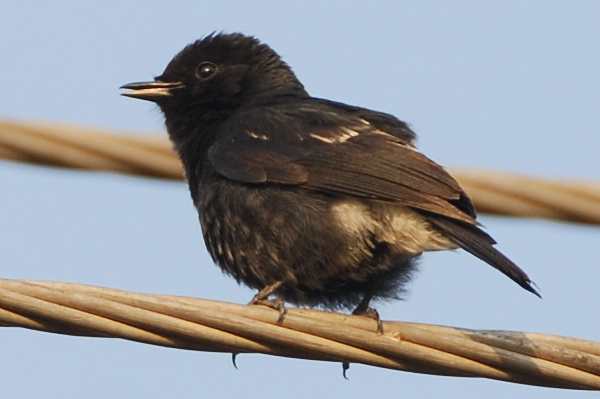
(206,70)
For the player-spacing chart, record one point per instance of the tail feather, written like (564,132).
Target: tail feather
(478,243)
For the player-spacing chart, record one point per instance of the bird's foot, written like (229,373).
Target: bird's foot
(373,314)
(277,304)
(262,298)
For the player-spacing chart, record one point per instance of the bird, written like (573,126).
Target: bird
(313,202)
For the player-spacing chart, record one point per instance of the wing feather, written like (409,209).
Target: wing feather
(344,156)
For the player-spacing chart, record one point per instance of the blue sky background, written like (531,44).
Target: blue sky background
(508,85)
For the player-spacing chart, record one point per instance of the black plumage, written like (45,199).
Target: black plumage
(317,202)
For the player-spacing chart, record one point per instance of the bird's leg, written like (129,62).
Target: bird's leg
(263,294)
(262,298)
(363,309)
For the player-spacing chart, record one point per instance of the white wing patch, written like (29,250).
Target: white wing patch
(336,136)
(257,136)
(342,134)
(329,140)
(347,134)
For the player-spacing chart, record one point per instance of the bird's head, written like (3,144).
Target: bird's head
(221,72)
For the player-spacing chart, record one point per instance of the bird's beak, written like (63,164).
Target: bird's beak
(151,91)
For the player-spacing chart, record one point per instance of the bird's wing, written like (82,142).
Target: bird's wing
(249,161)
(337,155)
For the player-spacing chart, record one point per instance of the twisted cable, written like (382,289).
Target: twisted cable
(198,324)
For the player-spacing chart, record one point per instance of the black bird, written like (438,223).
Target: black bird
(316,202)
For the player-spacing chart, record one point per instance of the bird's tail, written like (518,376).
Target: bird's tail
(474,240)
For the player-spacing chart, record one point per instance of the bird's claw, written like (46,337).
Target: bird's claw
(277,304)
(345,367)
(373,314)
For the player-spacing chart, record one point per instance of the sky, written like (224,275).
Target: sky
(509,85)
